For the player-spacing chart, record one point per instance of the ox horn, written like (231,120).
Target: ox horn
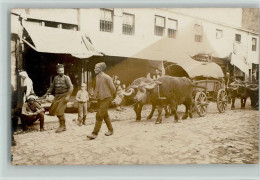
(158,82)
(129,93)
(133,86)
(254,88)
(150,86)
(235,87)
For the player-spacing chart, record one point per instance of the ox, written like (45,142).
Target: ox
(166,90)
(242,90)
(124,97)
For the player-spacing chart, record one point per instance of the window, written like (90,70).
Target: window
(159,26)
(198,33)
(106,20)
(51,24)
(253,44)
(33,22)
(219,34)
(128,24)
(238,37)
(70,26)
(172,28)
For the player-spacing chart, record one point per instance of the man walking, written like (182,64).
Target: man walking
(62,88)
(104,91)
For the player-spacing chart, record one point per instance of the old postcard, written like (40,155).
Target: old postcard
(135,86)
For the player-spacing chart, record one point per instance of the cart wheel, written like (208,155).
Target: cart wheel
(201,104)
(222,100)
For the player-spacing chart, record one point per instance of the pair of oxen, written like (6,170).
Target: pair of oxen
(243,90)
(166,91)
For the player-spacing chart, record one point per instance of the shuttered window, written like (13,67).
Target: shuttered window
(159,26)
(106,20)
(254,44)
(238,37)
(219,34)
(172,28)
(198,33)
(128,24)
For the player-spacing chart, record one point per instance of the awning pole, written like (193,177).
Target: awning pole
(29,45)
(86,68)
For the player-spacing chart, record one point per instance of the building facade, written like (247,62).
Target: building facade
(121,34)
(162,34)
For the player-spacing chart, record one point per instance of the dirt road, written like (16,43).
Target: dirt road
(231,137)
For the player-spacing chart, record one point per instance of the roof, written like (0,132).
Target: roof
(195,68)
(55,40)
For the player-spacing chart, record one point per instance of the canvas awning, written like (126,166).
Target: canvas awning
(196,69)
(55,40)
(206,70)
(240,63)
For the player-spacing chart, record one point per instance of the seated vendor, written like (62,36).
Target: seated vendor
(31,112)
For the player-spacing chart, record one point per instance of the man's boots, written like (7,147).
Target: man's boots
(79,122)
(62,124)
(84,120)
(42,123)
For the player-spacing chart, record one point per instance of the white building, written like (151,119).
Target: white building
(134,34)
(164,34)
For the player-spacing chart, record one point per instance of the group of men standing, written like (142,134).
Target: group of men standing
(62,88)
(104,91)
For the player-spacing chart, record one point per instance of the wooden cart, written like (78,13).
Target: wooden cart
(209,90)
(208,75)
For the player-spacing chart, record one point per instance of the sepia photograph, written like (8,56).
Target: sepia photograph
(134,86)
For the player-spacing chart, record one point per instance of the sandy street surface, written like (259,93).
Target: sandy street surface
(228,138)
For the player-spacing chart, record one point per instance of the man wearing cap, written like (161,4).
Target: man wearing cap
(62,88)
(104,92)
(82,98)
(31,112)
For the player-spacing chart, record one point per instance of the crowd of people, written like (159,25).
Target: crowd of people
(62,88)
(106,88)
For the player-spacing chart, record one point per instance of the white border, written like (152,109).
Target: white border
(184,172)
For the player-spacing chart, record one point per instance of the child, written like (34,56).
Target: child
(82,98)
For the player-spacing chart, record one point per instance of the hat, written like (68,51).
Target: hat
(31,96)
(102,65)
(59,66)
(83,85)
(23,74)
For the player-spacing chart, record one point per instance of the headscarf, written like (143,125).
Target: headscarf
(28,83)
(23,74)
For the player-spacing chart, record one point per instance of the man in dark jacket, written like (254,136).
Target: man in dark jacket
(104,92)
(62,88)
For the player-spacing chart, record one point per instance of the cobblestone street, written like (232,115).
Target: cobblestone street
(231,137)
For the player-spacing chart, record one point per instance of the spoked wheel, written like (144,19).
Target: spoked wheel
(222,100)
(201,104)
